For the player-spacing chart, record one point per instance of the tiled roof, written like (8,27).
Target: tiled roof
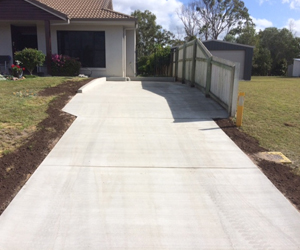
(83,9)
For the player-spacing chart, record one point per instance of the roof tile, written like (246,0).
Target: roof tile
(85,9)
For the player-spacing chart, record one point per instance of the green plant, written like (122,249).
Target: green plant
(280,68)
(155,64)
(62,65)
(30,58)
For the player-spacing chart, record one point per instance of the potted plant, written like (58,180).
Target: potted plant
(16,69)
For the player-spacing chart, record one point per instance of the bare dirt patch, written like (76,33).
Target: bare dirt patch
(283,176)
(16,167)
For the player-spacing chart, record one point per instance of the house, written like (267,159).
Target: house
(234,52)
(294,69)
(103,39)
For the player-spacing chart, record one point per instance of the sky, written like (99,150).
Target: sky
(264,13)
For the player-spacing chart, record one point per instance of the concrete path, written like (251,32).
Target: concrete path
(145,167)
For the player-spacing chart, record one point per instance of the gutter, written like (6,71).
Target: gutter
(61,24)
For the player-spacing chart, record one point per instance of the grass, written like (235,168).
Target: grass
(22,109)
(272,114)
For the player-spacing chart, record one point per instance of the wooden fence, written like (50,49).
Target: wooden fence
(216,77)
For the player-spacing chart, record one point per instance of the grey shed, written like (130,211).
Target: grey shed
(234,52)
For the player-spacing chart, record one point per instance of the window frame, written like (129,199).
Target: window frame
(64,36)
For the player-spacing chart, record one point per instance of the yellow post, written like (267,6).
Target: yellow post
(240,109)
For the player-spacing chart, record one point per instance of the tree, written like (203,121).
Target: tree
(229,38)
(247,35)
(262,62)
(283,46)
(164,38)
(157,63)
(244,35)
(274,48)
(292,27)
(149,34)
(190,19)
(179,37)
(30,58)
(146,32)
(151,40)
(219,16)
(280,68)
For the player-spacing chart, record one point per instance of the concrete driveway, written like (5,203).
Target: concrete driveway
(145,167)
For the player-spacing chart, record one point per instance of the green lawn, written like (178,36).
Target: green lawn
(272,113)
(22,109)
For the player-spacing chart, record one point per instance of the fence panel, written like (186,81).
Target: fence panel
(189,61)
(220,83)
(180,63)
(200,73)
(217,77)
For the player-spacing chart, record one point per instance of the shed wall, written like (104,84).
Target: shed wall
(296,68)
(225,46)
(237,56)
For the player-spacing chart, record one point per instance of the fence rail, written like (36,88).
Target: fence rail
(216,77)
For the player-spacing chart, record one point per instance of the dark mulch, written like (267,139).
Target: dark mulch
(18,166)
(281,175)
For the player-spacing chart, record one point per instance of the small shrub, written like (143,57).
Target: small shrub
(280,68)
(30,58)
(62,65)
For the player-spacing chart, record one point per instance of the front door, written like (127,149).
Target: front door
(23,37)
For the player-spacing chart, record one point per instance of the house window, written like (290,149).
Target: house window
(87,46)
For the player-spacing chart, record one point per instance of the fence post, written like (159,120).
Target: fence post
(234,90)
(183,63)
(176,63)
(171,65)
(194,64)
(208,76)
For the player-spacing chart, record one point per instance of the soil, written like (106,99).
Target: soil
(283,176)
(18,166)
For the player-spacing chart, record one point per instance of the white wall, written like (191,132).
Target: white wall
(118,52)
(296,68)
(237,56)
(5,37)
(41,37)
(5,40)
(114,44)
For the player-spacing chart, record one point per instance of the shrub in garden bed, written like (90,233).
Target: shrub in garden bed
(62,65)
(30,58)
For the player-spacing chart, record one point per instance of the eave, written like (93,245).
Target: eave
(48,9)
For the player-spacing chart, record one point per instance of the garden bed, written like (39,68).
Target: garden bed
(19,165)
(283,176)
